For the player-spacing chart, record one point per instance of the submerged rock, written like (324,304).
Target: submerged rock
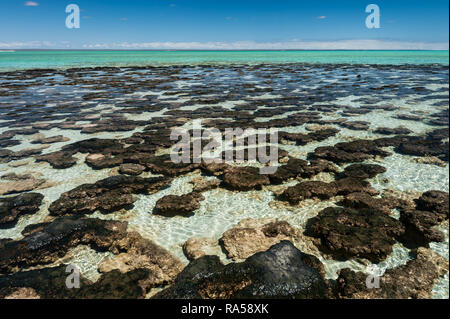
(419,228)
(364,171)
(50,140)
(280,272)
(107,195)
(349,152)
(346,233)
(196,247)
(55,239)
(164,165)
(251,236)
(131,169)
(434,201)
(411,281)
(19,183)
(50,283)
(136,252)
(61,159)
(322,190)
(310,189)
(365,201)
(245,178)
(11,208)
(171,205)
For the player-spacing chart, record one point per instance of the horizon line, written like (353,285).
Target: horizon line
(220,50)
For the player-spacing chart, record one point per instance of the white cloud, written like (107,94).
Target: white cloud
(240,45)
(31,4)
(321,17)
(287,45)
(27,45)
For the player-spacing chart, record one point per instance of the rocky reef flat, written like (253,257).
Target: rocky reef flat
(360,190)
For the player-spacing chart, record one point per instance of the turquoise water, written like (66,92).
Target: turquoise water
(66,59)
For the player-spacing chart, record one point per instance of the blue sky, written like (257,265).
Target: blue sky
(224,24)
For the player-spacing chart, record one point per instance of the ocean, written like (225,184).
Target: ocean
(66,59)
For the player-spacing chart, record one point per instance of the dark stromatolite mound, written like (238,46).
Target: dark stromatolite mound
(54,239)
(309,189)
(50,140)
(293,168)
(171,205)
(101,161)
(430,209)
(107,195)
(50,283)
(364,171)
(419,228)
(393,131)
(424,147)
(411,281)
(296,167)
(365,201)
(60,159)
(244,178)
(165,165)
(323,190)
(303,139)
(11,208)
(346,233)
(431,144)
(95,145)
(434,201)
(350,185)
(280,272)
(349,152)
(131,169)
(356,125)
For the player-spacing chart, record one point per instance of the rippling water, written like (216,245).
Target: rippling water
(66,59)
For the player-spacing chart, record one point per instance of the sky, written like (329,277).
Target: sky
(224,24)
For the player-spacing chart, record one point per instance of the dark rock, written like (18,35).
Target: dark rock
(59,159)
(50,283)
(350,185)
(363,171)
(55,239)
(346,233)
(309,189)
(393,131)
(244,178)
(419,231)
(100,161)
(107,195)
(434,201)
(131,169)
(11,208)
(280,272)
(171,205)
(164,165)
(349,152)
(365,201)
(50,140)
(411,281)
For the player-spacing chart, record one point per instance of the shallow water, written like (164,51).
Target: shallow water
(61,98)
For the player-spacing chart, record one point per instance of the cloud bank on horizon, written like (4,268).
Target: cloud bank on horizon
(366,44)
